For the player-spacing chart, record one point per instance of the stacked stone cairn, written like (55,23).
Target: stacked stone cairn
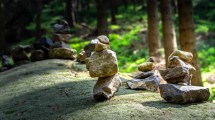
(55,48)
(178,75)
(103,64)
(147,79)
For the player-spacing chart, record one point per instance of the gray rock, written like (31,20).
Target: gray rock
(89,48)
(43,44)
(62,27)
(105,88)
(6,61)
(151,83)
(60,44)
(62,37)
(177,75)
(102,64)
(62,53)
(183,94)
(38,55)
(144,75)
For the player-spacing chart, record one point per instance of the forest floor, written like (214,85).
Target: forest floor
(62,90)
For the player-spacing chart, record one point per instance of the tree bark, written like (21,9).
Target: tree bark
(2,26)
(187,35)
(102,23)
(169,37)
(113,9)
(153,32)
(70,15)
(38,30)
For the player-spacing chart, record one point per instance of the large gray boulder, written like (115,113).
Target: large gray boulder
(105,88)
(151,83)
(102,64)
(62,53)
(183,94)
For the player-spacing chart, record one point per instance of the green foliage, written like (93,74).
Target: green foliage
(78,43)
(207,59)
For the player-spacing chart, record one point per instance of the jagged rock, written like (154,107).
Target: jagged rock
(62,53)
(101,43)
(143,75)
(102,64)
(147,66)
(6,62)
(89,48)
(176,75)
(185,56)
(60,44)
(151,83)
(82,57)
(20,54)
(38,55)
(62,27)
(183,94)
(43,44)
(105,88)
(62,37)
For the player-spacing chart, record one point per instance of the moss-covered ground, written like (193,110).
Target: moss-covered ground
(62,90)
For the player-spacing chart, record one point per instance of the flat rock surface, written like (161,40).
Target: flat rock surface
(61,90)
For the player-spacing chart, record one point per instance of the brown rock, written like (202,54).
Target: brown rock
(38,55)
(185,56)
(143,75)
(105,88)
(62,53)
(82,57)
(147,66)
(183,94)
(102,64)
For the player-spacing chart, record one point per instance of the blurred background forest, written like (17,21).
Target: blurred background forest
(126,22)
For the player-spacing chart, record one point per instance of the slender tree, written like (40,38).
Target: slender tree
(70,14)
(169,37)
(102,23)
(38,30)
(187,35)
(153,33)
(2,24)
(113,9)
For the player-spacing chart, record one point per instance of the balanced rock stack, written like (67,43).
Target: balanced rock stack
(60,48)
(41,49)
(20,54)
(179,74)
(103,64)
(147,79)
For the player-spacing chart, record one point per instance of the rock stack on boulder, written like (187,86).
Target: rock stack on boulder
(178,76)
(41,49)
(20,54)
(103,64)
(60,49)
(147,79)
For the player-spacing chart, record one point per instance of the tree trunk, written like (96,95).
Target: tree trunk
(187,35)
(169,37)
(113,9)
(2,26)
(38,31)
(102,23)
(153,32)
(70,15)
